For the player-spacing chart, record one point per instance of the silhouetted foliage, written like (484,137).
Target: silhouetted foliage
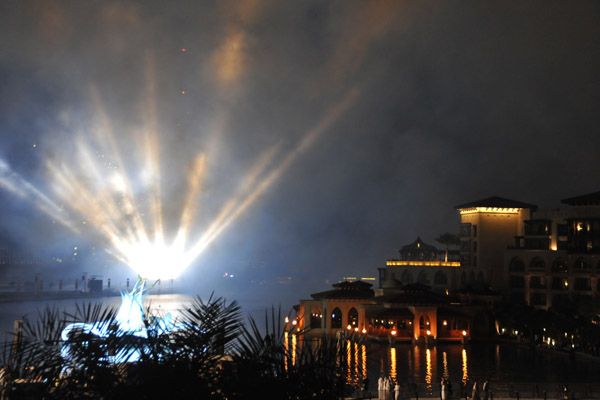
(212,355)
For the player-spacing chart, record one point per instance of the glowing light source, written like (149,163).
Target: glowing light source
(492,210)
(423,263)
(130,320)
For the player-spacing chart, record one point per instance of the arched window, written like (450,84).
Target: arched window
(440,278)
(516,265)
(406,277)
(353,317)
(537,264)
(581,265)
(315,318)
(336,318)
(560,266)
(424,322)
(424,277)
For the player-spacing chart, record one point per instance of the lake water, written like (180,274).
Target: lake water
(410,364)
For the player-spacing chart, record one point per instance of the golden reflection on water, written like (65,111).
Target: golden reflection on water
(498,357)
(364,360)
(286,342)
(465,369)
(356,362)
(393,363)
(417,363)
(445,362)
(294,340)
(428,368)
(349,361)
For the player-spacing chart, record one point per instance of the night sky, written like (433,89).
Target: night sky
(375,119)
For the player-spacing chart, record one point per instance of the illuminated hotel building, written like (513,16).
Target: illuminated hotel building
(422,263)
(557,257)
(487,228)
(539,257)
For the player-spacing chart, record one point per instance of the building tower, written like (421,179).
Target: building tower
(487,228)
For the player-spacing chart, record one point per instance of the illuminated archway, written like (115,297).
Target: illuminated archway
(353,317)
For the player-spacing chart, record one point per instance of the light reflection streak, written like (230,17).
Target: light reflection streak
(393,362)
(363,349)
(465,370)
(348,361)
(286,342)
(356,362)
(428,369)
(445,363)
(417,366)
(294,346)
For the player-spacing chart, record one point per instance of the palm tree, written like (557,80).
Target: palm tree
(183,363)
(211,355)
(448,239)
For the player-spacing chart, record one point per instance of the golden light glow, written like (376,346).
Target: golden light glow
(394,333)
(492,210)
(393,362)
(423,263)
(286,341)
(356,361)
(363,358)
(428,368)
(445,363)
(465,369)
(294,344)
(348,361)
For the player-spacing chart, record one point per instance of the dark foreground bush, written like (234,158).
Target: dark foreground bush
(211,355)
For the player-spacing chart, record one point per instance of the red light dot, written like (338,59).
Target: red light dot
(183,49)
(183,92)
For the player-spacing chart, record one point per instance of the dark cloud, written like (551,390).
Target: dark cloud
(456,101)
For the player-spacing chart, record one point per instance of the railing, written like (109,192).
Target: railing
(497,390)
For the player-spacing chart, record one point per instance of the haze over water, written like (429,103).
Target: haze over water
(407,363)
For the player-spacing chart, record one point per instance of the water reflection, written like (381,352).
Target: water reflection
(445,363)
(364,361)
(428,373)
(465,368)
(417,362)
(294,342)
(356,363)
(393,363)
